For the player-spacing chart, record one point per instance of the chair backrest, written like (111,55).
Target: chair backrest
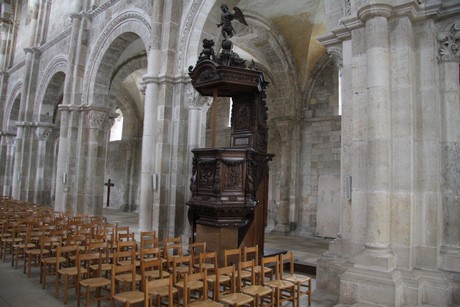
(289,259)
(181,261)
(171,251)
(48,243)
(245,266)
(196,249)
(152,265)
(270,262)
(200,276)
(148,285)
(85,260)
(208,258)
(148,235)
(126,251)
(228,271)
(251,252)
(232,256)
(123,269)
(150,253)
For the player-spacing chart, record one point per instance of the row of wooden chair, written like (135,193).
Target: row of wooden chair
(105,262)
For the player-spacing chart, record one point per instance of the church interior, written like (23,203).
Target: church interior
(240,123)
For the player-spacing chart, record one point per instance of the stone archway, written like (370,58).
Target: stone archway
(7,146)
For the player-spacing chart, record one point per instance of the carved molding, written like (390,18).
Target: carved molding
(44,133)
(449,49)
(284,128)
(98,119)
(335,53)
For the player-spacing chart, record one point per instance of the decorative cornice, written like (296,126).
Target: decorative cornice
(32,50)
(449,41)
(52,42)
(414,10)
(375,10)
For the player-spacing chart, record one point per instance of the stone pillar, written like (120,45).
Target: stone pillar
(148,149)
(44,164)
(148,177)
(24,138)
(450,147)
(99,122)
(306,210)
(197,108)
(7,144)
(378,177)
(284,128)
(66,164)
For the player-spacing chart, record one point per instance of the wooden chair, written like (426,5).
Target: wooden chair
(262,295)
(49,264)
(96,282)
(202,300)
(19,248)
(233,257)
(33,255)
(127,297)
(148,239)
(302,283)
(66,276)
(153,269)
(170,252)
(104,249)
(283,290)
(10,237)
(159,289)
(126,253)
(233,298)
(208,263)
(252,252)
(195,249)
(182,265)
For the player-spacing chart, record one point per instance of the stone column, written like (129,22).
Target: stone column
(450,146)
(43,134)
(99,123)
(197,108)
(148,148)
(146,210)
(378,175)
(284,128)
(7,144)
(66,168)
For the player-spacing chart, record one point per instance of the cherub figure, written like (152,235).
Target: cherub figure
(208,50)
(226,20)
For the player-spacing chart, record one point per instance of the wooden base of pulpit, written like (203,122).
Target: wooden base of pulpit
(217,239)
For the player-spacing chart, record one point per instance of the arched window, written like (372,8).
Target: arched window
(117,129)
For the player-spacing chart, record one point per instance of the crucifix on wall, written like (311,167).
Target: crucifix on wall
(108,184)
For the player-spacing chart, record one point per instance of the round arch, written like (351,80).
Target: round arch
(12,103)
(126,28)
(51,82)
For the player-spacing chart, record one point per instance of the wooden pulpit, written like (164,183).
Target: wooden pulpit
(229,185)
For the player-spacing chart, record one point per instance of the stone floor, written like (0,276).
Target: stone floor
(17,290)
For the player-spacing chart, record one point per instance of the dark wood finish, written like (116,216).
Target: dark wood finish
(230,185)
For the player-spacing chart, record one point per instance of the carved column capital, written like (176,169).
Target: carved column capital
(284,127)
(194,100)
(449,49)
(7,138)
(335,53)
(99,119)
(44,133)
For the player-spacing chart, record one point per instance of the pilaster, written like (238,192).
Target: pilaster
(285,127)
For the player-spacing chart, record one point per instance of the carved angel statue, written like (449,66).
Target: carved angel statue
(226,20)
